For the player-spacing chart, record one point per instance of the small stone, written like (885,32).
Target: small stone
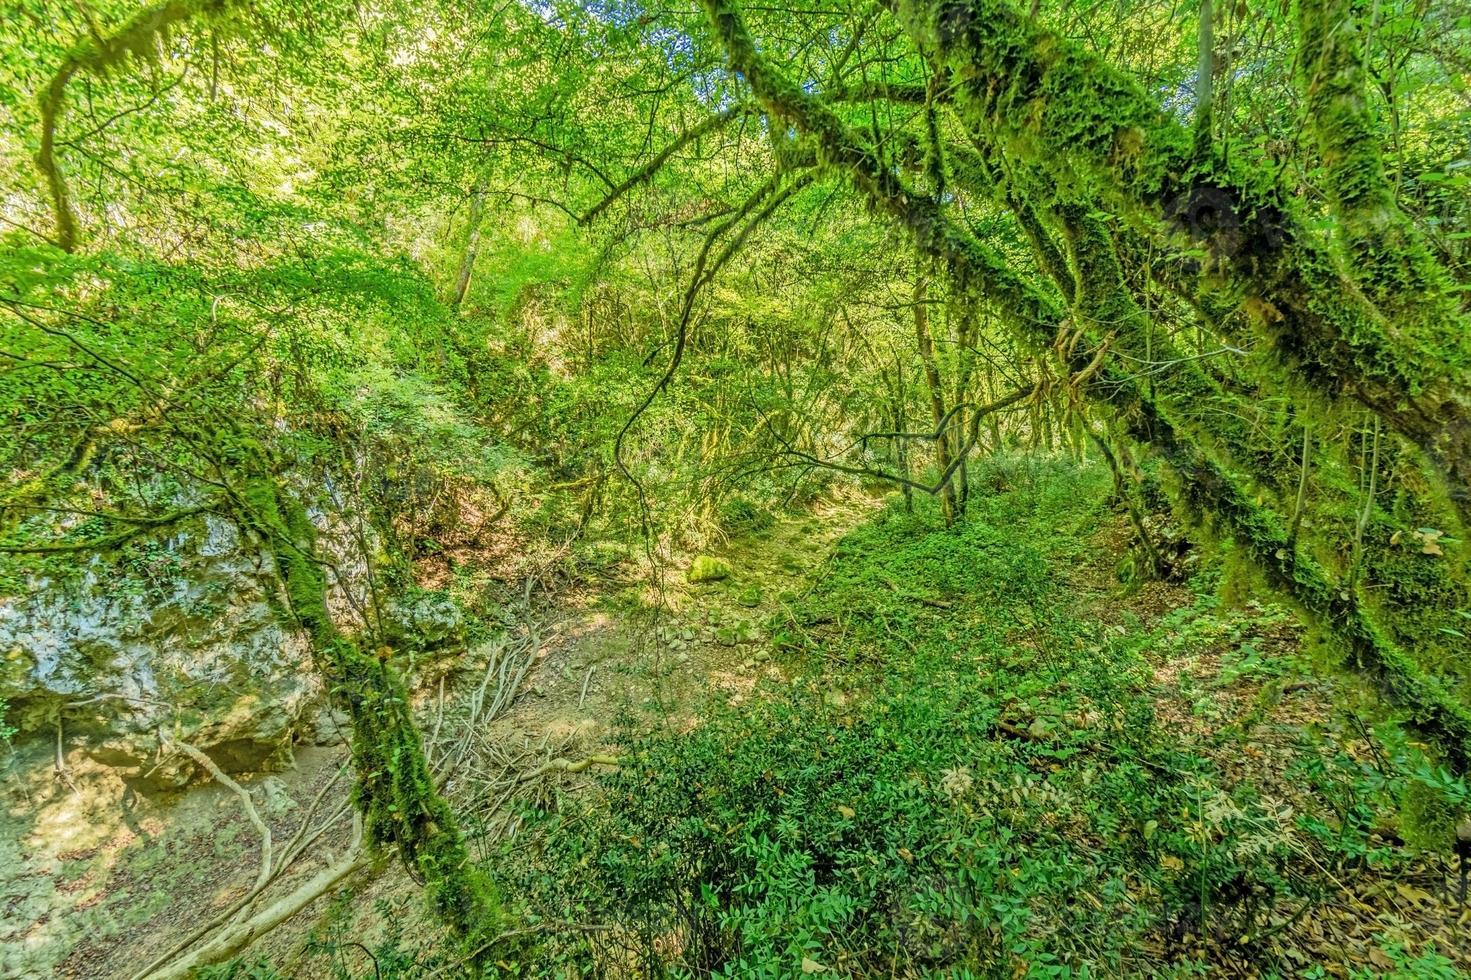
(275,800)
(330,727)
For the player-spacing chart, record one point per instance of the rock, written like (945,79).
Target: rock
(706,568)
(329,727)
(426,621)
(275,801)
(188,640)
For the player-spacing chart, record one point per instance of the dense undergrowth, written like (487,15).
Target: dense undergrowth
(981,759)
(963,776)
(419,315)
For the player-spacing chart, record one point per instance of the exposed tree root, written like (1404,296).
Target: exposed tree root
(221,936)
(226,942)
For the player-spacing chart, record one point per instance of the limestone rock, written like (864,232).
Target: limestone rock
(193,646)
(426,621)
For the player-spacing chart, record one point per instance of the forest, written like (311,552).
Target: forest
(865,488)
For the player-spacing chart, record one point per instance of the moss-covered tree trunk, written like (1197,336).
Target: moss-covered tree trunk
(1163,415)
(944,443)
(395,789)
(1099,137)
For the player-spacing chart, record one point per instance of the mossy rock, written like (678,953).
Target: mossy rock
(1427,818)
(708,569)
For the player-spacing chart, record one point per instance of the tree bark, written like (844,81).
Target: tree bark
(1208,493)
(1099,137)
(472,245)
(944,445)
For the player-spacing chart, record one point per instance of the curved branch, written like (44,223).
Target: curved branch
(647,171)
(135,39)
(138,526)
(702,276)
(973,437)
(940,429)
(1098,135)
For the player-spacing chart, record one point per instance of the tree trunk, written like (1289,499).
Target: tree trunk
(395,789)
(472,245)
(943,442)
(1065,111)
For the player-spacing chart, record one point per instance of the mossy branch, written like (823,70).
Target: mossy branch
(1098,136)
(137,39)
(1210,497)
(646,173)
(1387,256)
(395,788)
(137,527)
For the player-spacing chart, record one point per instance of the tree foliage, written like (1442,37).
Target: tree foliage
(619,266)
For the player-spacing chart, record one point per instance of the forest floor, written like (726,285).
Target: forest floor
(97,878)
(1153,781)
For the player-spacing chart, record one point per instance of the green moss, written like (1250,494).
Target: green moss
(395,789)
(1427,819)
(1100,138)
(1053,106)
(1386,254)
(706,568)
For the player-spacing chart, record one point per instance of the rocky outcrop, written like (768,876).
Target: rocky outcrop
(181,635)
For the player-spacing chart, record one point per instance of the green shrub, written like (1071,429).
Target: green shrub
(739,514)
(975,785)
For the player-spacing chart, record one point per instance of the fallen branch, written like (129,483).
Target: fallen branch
(569,766)
(251,813)
(304,837)
(585,681)
(505,670)
(228,942)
